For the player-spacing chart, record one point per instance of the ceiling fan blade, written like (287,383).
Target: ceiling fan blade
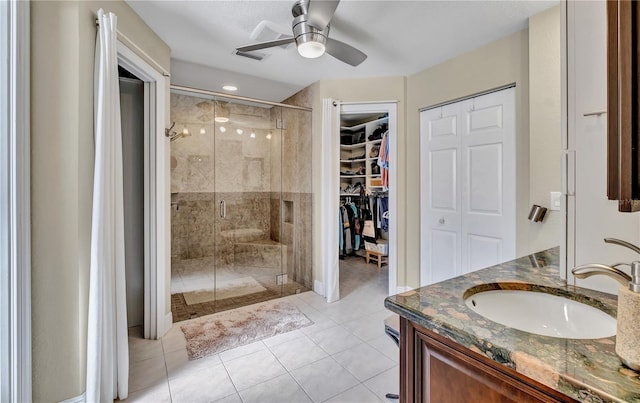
(344,52)
(264,45)
(320,12)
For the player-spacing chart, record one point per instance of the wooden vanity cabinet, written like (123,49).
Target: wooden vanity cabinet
(437,370)
(623,104)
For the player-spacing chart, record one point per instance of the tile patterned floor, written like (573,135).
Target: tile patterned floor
(343,357)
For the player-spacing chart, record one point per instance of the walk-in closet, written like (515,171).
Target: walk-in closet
(363,211)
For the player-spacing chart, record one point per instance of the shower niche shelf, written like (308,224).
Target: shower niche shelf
(287,211)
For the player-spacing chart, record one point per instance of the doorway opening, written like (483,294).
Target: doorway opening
(155,198)
(360,192)
(132,122)
(364,200)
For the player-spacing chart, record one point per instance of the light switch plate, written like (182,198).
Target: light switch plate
(555,201)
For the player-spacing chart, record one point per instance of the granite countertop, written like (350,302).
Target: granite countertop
(586,370)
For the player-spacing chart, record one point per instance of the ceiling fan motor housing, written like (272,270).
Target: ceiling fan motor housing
(303,32)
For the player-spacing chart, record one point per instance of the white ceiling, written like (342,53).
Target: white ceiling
(400,37)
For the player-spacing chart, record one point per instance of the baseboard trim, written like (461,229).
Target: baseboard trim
(318,287)
(77,399)
(168,322)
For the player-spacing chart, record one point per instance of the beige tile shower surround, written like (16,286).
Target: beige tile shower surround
(248,174)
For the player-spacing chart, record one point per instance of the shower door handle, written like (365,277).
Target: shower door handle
(223,209)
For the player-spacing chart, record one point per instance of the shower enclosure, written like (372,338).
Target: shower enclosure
(240,202)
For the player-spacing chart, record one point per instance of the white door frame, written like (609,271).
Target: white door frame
(15,202)
(156,195)
(331,178)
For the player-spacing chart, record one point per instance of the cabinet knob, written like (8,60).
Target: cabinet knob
(441,221)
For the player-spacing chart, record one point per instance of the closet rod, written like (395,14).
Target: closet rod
(368,102)
(236,97)
(477,94)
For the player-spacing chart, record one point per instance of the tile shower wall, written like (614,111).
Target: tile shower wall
(296,207)
(198,184)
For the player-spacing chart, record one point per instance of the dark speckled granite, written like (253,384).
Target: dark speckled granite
(586,370)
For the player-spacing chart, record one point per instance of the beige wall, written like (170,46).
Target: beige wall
(544,124)
(358,90)
(62,54)
(496,64)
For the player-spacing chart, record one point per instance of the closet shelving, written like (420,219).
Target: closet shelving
(356,159)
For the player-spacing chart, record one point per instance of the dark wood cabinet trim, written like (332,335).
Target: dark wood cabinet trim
(613,146)
(623,81)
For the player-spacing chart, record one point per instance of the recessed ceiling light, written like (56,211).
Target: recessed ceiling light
(239,131)
(223,129)
(203,130)
(269,136)
(253,135)
(230,88)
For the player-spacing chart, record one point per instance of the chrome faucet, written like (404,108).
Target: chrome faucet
(627,330)
(626,244)
(631,281)
(590,269)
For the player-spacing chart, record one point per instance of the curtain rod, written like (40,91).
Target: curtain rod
(139,50)
(237,97)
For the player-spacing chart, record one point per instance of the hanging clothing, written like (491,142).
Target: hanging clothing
(357,227)
(341,232)
(348,246)
(384,208)
(383,160)
(351,217)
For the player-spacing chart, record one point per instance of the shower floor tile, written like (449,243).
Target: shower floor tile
(197,274)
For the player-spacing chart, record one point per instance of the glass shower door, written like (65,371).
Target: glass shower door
(240,203)
(248,196)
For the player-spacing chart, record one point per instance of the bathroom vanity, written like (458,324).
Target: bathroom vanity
(450,353)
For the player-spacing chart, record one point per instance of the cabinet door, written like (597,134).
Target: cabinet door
(623,78)
(452,377)
(442,373)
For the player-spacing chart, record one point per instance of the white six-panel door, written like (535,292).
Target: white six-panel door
(467,185)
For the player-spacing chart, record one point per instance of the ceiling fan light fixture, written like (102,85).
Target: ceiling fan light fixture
(311,49)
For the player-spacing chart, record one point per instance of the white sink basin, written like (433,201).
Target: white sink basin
(544,314)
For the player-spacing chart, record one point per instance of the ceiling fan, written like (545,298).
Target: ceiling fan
(310,26)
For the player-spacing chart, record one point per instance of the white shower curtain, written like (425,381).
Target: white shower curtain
(330,239)
(107,339)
